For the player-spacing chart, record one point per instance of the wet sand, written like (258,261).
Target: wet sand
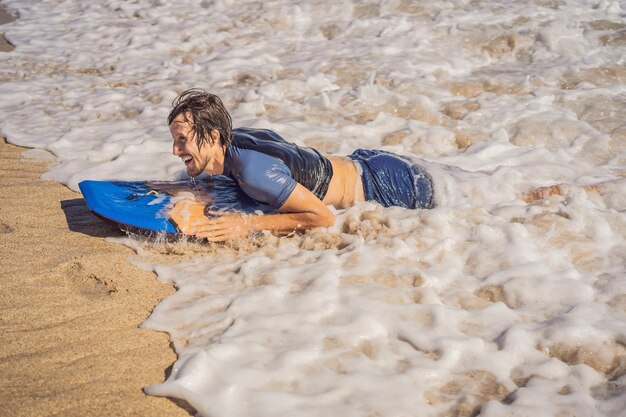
(70,305)
(4,18)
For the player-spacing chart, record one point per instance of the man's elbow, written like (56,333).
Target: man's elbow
(325,219)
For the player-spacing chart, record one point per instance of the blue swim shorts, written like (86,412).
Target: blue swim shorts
(393,180)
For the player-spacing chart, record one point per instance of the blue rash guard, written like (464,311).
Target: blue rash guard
(268,168)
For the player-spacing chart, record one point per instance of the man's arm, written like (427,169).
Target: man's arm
(302,210)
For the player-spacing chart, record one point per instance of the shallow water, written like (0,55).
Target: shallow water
(483,306)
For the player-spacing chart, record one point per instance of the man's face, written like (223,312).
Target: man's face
(185,146)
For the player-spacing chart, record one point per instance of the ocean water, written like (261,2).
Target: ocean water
(486,305)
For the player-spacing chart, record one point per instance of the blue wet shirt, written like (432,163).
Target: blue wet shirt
(268,168)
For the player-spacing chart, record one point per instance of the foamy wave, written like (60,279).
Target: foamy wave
(486,305)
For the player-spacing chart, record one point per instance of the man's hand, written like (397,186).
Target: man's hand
(221,226)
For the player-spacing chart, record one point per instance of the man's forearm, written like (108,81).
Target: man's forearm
(286,223)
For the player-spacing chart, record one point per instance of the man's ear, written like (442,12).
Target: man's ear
(216,137)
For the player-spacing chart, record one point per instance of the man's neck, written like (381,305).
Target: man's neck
(218,163)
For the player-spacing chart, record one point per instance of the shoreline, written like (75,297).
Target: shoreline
(5,46)
(71,305)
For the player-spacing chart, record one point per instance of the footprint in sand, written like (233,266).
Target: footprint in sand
(5,228)
(87,283)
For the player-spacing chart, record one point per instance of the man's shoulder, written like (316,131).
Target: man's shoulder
(250,161)
(244,135)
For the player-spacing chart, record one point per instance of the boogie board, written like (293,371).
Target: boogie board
(143,206)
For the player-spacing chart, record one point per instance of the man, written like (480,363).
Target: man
(300,182)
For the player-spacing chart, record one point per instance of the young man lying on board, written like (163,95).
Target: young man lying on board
(299,182)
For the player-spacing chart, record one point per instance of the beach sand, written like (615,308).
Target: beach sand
(4,18)
(70,304)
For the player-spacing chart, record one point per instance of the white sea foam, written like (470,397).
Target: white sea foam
(483,305)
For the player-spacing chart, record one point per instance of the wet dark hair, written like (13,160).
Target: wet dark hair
(205,112)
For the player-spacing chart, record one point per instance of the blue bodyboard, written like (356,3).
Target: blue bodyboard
(142,206)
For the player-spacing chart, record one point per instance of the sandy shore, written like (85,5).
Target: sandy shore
(70,304)
(4,18)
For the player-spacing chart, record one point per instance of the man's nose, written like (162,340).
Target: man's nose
(175,150)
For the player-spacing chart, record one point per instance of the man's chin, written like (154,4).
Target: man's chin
(192,172)
(194,169)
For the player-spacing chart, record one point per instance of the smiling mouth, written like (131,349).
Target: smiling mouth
(187,159)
